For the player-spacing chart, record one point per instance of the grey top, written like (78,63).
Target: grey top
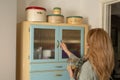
(86,72)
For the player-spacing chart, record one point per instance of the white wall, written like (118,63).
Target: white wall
(7,39)
(89,9)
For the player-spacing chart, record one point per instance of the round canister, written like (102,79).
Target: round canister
(57,10)
(55,18)
(46,53)
(74,20)
(35,13)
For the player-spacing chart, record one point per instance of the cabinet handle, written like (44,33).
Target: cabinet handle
(58,74)
(59,66)
(57,43)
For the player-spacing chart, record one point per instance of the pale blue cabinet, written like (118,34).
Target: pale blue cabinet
(47,60)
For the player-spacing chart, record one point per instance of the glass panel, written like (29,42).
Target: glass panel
(44,43)
(72,40)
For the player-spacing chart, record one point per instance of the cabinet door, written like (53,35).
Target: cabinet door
(73,37)
(42,42)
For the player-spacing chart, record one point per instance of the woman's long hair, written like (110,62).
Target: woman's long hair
(100,53)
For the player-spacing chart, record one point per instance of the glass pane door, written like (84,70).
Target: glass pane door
(74,39)
(44,44)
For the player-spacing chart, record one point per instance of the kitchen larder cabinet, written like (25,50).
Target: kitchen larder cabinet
(39,55)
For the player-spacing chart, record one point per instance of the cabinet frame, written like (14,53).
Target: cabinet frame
(23,68)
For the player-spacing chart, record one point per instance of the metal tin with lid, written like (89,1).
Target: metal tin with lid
(74,19)
(35,13)
(57,10)
(55,18)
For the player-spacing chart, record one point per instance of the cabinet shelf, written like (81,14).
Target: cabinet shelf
(51,41)
(43,41)
(71,41)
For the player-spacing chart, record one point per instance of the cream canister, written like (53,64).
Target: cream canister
(55,18)
(74,19)
(35,13)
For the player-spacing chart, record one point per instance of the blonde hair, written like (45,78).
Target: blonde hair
(100,53)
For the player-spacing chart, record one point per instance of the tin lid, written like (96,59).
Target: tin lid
(57,8)
(35,7)
(74,17)
(55,15)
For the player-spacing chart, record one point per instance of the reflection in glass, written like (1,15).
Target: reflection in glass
(72,39)
(44,43)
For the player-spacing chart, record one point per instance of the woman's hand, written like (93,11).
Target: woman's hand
(69,69)
(63,46)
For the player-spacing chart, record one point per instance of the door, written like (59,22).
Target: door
(111,26)
(43,40)
(73,37)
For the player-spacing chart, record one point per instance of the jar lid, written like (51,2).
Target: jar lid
(57,8)
(35,7)
(55,15)
(74,17)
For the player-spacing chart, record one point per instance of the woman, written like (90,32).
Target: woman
(99,62)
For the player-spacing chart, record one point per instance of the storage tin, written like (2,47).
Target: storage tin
(35,13)
(74,20)
(57,10)
(54,18)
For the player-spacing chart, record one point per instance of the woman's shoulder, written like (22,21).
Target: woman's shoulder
(87,62)
(88,71)
(87,65)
